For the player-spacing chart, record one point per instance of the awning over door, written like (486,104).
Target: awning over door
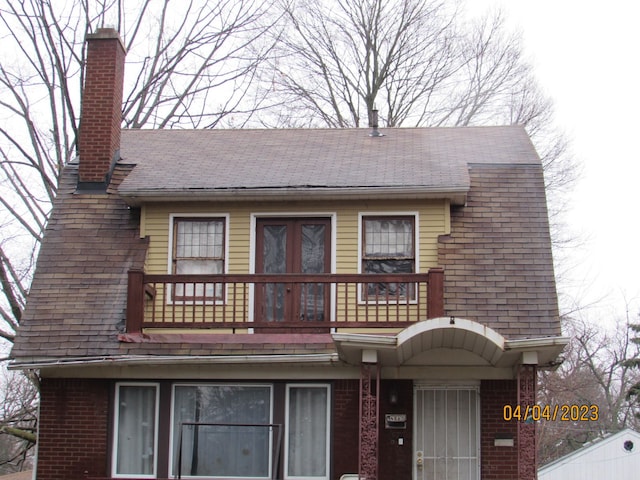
(448,341)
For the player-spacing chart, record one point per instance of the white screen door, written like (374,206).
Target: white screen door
(447,444)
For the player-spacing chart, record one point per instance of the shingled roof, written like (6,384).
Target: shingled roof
(78,296)
(217,163)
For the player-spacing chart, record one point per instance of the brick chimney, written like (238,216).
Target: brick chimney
(101,115)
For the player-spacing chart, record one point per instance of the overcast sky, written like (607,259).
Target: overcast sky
(586,57)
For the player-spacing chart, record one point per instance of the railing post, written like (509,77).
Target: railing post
(135,301)
(435,293)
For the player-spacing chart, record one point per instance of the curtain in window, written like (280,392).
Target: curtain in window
(199,249)
(222,451)
(135,451)
(388,248)
(307,432)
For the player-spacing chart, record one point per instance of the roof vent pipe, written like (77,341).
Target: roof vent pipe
(374,124)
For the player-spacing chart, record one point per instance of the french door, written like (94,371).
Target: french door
(447,444)
(293,246)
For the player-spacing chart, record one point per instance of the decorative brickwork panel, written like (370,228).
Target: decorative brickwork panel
(73,439)
(369,418)
(498,462)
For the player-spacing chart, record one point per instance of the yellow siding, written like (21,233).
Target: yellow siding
(433,220)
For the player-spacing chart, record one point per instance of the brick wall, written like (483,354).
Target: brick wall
(73,438)
(395,461)
(101,116)
(497,463)
(346,395)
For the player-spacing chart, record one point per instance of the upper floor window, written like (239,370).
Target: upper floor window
(198,248)
(388,246)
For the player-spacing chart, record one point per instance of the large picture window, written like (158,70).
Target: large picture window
(222,431)
(198,248)
(136,426)
(388,246)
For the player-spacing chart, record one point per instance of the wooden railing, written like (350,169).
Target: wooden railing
(295,302)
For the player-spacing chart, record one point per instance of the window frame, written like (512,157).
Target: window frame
(287,425)
(172,432)
(402,215)
(174,219)
(116,429)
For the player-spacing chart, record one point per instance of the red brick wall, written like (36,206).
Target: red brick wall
(101,116)
(73,438)
(497,463)
(346,395)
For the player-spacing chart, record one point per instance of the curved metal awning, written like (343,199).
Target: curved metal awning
(447,341)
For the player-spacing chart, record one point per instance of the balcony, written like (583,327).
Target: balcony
(282,303)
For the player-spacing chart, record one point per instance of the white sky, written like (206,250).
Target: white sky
(586,55)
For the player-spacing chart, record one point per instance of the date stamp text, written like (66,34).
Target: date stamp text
(563,413)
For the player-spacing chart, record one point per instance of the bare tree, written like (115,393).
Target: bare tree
(421,63)
(633,392)
(179,55)
(190,64)
(595,373)
(337,59)
(18,415)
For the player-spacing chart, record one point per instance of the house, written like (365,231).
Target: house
(291,304)
(613,456)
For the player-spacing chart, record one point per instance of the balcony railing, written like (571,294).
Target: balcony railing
(292,302)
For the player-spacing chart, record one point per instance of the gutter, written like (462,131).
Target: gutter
(136,197)
(150,360)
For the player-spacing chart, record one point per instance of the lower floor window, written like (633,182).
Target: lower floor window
(307,438)
(136,430)
(249,431)
(221,431)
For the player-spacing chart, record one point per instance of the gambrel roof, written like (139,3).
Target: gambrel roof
(498,263)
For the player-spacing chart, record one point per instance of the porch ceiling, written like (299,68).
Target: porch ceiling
(448,342)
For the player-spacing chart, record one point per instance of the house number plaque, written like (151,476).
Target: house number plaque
(395,420)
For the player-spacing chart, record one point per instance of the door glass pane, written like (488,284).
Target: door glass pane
(217,450)
(312,261)
(307,432)
(135,450)
(274,256)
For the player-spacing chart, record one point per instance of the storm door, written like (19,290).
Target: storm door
(447,438)
(287,246)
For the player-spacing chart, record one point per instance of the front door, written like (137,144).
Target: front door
(446,442)
(293,246)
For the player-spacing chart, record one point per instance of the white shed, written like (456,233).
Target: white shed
(614,456)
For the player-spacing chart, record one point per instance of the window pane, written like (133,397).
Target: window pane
(307,432)
(199,238)
(384,238)
(216,450)
(135,451)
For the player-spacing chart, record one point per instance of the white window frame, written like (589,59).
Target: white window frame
(218,384)
(289,386)
(116,420)
(171,246)
(416,247)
